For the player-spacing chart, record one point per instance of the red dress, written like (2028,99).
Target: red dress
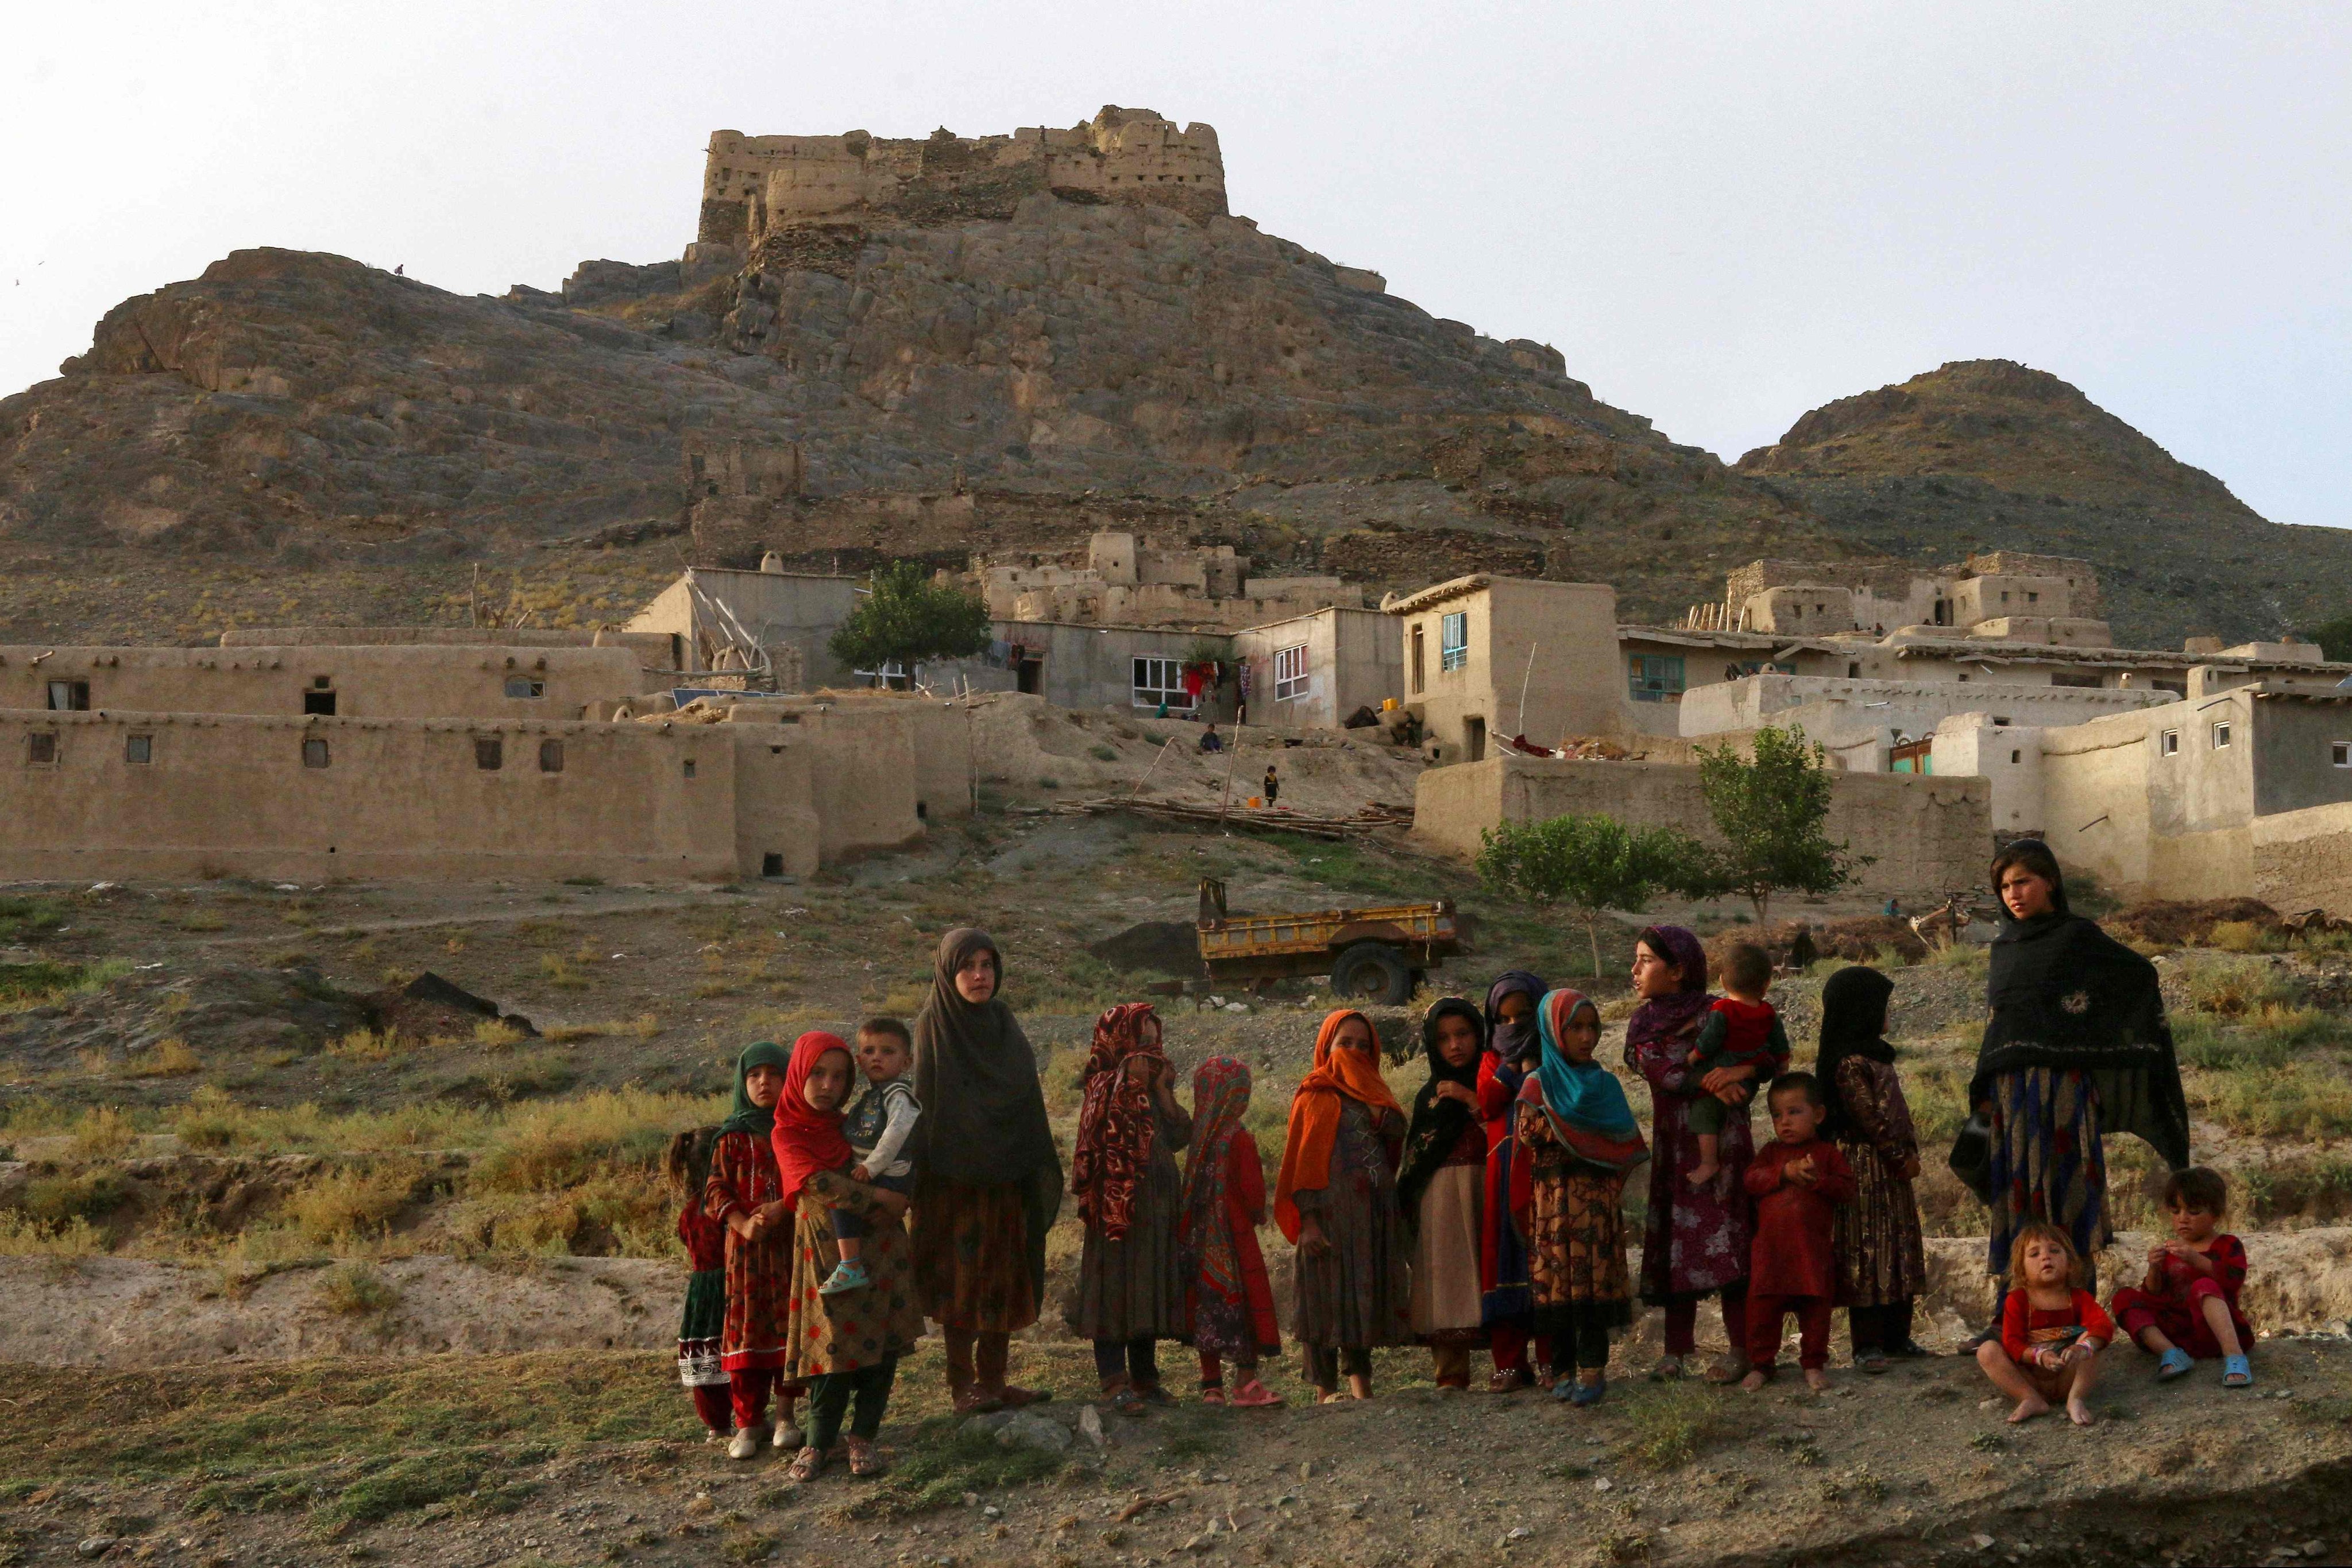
(2025,1326)
(743,1175)
(1792,1255)
(2178,1310)
(1244,1327)
(1502,1255)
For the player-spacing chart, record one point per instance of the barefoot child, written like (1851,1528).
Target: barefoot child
(1439,1184)
(1797,1181)
(2186,1310)
(1741,1029)
(745,1194)
(1336,1197)
(1228,1297)
(877,1126)
(1577,1138)
(688,1166)
(2052,1330)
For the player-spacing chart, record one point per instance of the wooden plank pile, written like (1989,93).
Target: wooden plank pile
(1371,819)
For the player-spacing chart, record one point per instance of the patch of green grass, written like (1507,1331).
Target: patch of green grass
(943,1462)
(2301,1097)
(24,920)
(1676,1422)
(43,983)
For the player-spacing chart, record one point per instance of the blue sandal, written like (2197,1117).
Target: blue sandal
(2236,1373)
(2174,1363)
(1587,1393)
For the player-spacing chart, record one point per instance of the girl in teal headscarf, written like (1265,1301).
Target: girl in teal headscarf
(1577,1139)
(746,1194)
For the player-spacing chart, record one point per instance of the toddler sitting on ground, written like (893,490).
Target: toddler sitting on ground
(2186,1310)
(2052,1330)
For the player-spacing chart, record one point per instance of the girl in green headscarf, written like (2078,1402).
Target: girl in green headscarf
(745,1194)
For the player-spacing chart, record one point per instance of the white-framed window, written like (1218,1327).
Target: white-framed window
(1289,672)
(1159,680)
(2221,735)
(2169,744)
(1454,641)
(2340,754)
(892,675)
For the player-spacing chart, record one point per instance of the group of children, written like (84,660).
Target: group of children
(1489,1217)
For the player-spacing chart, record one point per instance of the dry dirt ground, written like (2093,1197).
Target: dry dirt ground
(288,1288)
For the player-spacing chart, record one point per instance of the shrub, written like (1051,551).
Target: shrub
(353,1201)
(168,1057)
(355,1291)
(22,1236)
(367,1045)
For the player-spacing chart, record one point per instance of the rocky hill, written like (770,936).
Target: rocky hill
(925,384)
(295,435)
(1989,454)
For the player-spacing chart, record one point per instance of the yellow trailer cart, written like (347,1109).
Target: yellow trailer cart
(1371,955)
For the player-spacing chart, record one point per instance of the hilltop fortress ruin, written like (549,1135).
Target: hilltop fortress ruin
(752,183)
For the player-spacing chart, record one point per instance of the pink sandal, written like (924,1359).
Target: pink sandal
(1213,1394)
(1254,1396)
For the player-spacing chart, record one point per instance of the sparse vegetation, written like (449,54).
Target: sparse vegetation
(355,1290)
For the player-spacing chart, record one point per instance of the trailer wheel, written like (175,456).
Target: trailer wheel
(1372,971)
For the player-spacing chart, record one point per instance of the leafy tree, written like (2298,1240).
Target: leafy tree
(908,618)
(2335,637)
(1591,865)
(1769,809)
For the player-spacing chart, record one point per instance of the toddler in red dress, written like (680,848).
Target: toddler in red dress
(2052,1330)
(2186,1310)
(1797,1181)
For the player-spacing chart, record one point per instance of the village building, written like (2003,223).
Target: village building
(1126,580)
(1322,670)
(1486,658)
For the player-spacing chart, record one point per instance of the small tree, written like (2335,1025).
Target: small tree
(906,618)
(1591,865)
(1769,809)
(2334,637)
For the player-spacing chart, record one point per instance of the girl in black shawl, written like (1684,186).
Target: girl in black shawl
(991,1180)
(1882,1267)
(1439,1190)
(2076,1046)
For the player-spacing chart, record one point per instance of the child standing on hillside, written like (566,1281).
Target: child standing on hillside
(1227,1295)
(1882,1262)
(2186,1310)
(1130,1294)
(688,1166)
(1577,1140)
(1797,1181)
(2052,1330)
(745,1194)
(1336,1197)
(1741,1029)
(877,1127)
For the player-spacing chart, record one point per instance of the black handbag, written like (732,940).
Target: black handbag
(1971,1157)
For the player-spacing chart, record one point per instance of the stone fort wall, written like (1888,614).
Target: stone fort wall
(750,183)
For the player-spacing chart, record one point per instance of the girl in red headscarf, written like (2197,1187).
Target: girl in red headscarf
(1131,1288)
(846,1346)
(1336,1197)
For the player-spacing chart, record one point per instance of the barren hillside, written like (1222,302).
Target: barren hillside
(1991,454)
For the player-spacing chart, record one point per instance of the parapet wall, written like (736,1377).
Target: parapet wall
(750,183)
(1928,834)
(391,681)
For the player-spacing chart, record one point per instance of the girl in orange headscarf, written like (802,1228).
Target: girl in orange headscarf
(1336,1197)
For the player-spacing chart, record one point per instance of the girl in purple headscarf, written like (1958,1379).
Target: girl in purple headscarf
(1693,1240)
(1508,1304)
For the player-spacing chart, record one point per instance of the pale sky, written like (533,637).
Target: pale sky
(1723,214)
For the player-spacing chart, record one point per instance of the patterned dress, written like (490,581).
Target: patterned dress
(1880,1259)
(857,1328)
(1133,1289)
(2048,1162)
(1693,1242)
(1359,1293)
(743,1175)
(971,1249)
(1576,1245)
(704,1319)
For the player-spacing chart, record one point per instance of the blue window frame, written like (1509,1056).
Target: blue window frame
(1454,641)
(1653,677)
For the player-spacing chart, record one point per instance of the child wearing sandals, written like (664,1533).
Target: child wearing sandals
(2052,1330)
(2186,1310)
(1228,1297)
(699,1368)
